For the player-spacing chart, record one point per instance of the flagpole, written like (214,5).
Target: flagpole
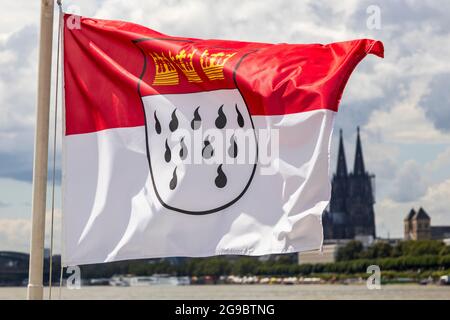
(36,266)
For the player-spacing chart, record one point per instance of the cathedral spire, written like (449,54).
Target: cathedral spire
(359,161)
(341,170)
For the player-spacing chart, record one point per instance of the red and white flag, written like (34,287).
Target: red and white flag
(187,147)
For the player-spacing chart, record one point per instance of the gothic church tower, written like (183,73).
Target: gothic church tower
(352,198)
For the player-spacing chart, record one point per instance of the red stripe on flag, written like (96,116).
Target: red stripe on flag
(106,61)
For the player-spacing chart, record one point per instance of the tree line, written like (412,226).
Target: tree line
(351,259)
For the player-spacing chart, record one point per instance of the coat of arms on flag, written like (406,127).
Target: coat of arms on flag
(177,126)
(168,146)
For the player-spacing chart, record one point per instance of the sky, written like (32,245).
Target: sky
(401,102)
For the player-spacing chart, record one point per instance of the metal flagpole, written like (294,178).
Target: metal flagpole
(35,285)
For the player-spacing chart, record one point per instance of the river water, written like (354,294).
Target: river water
(250,292)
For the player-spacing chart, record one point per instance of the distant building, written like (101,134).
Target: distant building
(351,212)
(417,226)
(440,232)
(14,268)
(330,249)
(328,254)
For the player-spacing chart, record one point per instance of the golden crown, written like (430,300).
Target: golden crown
(184,62)
(166,72)
(212,64)
(167,67)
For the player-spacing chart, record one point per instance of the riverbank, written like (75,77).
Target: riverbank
(246,292)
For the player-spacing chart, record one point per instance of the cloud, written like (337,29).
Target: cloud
(389,216)
(4,204)
(410,183)
(441,162)
(436,202)
(15,233)
(17,165)
(405,121)
(410,13)
(17,102)
(17,13)
(390,213)
(437,101)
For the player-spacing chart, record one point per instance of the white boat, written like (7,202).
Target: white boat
(444,280)
(183,281)
(142,281)
(159,280)
(119,282)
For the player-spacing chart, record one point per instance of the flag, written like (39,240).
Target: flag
(179,146)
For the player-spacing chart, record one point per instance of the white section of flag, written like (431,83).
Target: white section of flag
(110,212)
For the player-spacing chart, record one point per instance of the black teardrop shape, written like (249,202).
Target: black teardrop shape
(207,151)
(240,118)
(157,124)
(221,179)
(174,180)
(221,120)
(173,125)
(197,121)
(183,150)
(168,153)
(233,149)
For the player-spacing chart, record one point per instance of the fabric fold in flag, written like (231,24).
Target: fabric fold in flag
(187,147)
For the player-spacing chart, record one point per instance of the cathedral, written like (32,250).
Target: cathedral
(350,213)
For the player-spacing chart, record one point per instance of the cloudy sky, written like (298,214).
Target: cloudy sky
(401,103)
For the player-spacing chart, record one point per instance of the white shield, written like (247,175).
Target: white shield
(202,149)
